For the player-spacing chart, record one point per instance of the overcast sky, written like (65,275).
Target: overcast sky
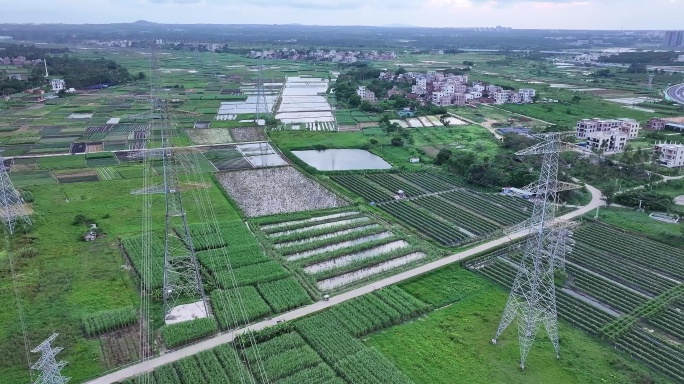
(566,14)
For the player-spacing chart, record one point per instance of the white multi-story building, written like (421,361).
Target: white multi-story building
(366,94)
(671,155)
(587,126)
(500,97)
(527,94)
(475,94)
(57,85)
(610,141)
(479,87)
(418,90)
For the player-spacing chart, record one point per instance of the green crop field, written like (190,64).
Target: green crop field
(462,333)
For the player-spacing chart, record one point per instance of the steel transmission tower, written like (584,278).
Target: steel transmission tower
(12,206)
(50,369)
(533,295)
(262,110)
(181,270)
(181,275)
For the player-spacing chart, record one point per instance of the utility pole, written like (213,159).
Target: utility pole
(533,295)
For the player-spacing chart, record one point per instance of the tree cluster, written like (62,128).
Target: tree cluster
(80,73)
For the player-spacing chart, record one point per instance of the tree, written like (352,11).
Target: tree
(397,141)
(444,119)
(576,99)
(400,71)
(443,156)
(469,63)
(609,192)
(141,76)
(354,101)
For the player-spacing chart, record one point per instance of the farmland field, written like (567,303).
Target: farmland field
(614,287)
(453,216)
(337,249)
(462,333)
(271,191)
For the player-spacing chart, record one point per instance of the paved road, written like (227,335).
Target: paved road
(676,93)
(151,364)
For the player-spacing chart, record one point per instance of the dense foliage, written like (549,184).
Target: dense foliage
(81,73)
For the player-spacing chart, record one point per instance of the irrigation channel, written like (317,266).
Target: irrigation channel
(151,364)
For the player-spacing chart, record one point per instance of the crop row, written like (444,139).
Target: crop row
(377,311)
(362,188)
(283,295)
(217,235)
(107,321)
(515,204)
(368,366)
(485,208)
(621,270)
(581,314)
(394,184)
(666,259)
(653,351)
(460,217)
(670,321)
(424,223)
(224,259)
(428,182)
(605,291)
(251,274)
(341,235)
(320,374)
(133,245)
(178,334)
(306,226)
(235,308)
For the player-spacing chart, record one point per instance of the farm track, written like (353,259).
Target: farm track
(151,364)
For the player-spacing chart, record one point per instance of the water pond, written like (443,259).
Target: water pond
(342,159)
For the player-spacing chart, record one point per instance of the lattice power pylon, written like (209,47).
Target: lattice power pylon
(50,369)
(262,109)
(12,206)
(181,274)
(182,278)
(533,296)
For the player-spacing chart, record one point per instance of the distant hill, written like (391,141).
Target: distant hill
(398,26)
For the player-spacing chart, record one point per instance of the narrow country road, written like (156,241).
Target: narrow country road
(149,365)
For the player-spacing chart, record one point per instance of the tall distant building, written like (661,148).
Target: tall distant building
(674,38)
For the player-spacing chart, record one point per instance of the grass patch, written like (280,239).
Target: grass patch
(461,335)
(62,162)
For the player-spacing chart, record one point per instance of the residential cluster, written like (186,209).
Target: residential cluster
(452,89)
(612,135)
(609,135)
(345,57)
(19,61)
